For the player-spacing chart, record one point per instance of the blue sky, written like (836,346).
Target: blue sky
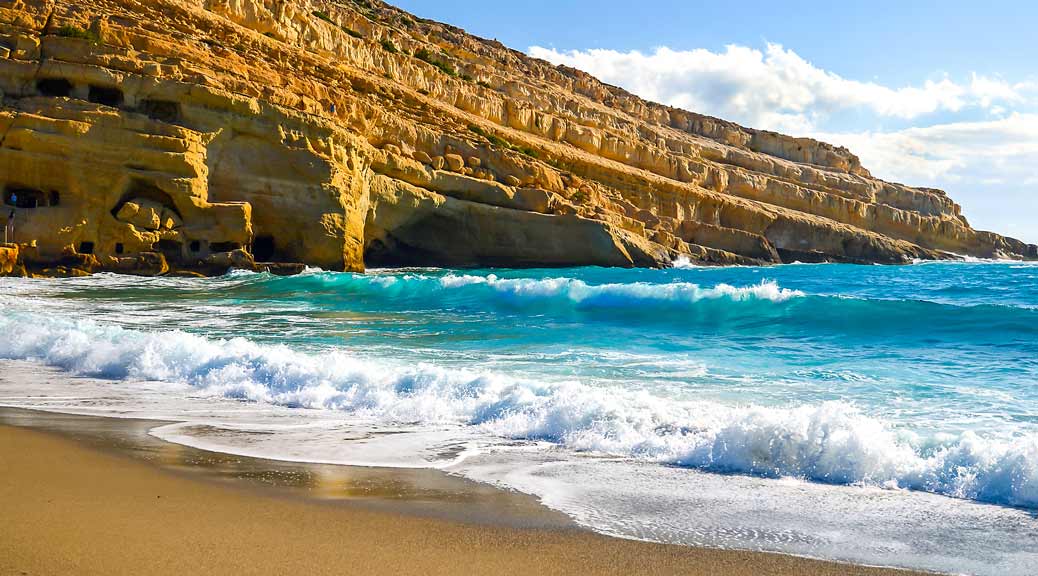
(940,94)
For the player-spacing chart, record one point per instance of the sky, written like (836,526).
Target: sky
(935,94)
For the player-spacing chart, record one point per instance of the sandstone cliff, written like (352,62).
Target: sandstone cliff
(145,135)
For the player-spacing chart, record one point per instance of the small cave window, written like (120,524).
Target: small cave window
(161,110)
(24,197)
(171,249)
(223,246)
(119,248)
(195,246)
(166,245)
(263,248)
(86,248)
(54,87)
(105,96)
(55,198)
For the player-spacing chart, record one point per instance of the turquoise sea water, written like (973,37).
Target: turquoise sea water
(918,379)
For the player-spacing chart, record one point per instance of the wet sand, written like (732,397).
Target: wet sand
(86,495)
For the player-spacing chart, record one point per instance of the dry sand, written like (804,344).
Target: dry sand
(70,508)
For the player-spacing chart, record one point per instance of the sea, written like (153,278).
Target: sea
(882,415)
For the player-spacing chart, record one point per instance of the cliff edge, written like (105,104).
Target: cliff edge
(151,136)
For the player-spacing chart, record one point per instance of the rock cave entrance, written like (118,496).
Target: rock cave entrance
(54,87)
(389,252)
(223,246)
(171,249)
(105,96)
(24,197)
(264,248)
(161,110)
(86,248)
(142,189)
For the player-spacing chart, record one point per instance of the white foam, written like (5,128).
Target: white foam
(638,292)
(967,259)
(830,442)
(241,272)
(684,263)
(616,496)
(864,525)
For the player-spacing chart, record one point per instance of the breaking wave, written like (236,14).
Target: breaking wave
(763,308)
(830,442)
(564,291)
(634,294)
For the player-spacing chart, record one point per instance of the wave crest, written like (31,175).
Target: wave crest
(568,291)
(830,442)
(616,294)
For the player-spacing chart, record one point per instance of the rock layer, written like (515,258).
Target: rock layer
(196,134)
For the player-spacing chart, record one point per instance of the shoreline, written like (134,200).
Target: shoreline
(58,271)
(98,495)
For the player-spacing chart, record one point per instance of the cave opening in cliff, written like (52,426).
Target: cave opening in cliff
(86,247)
(263,248)
(119,248)
(142,189)
(161,110)
(24,197)
(54,87)
(171,249)
(195,246)
(388,252)
(224,246)
(105,96)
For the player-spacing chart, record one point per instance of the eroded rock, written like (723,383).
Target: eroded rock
(211,135)
(9,261)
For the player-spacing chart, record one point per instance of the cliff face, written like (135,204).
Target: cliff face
(196,134)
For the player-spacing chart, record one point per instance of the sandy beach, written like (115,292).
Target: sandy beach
(79,505)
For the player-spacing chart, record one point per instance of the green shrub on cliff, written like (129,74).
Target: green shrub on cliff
(493,138)
(527,151)
(69,31)
(445,67)
(321,14)
(502,143)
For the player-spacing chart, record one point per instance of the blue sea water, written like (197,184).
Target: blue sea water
(919,381)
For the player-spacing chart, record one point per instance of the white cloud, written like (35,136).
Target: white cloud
(775,88)
(988,91)
(990,166)
(997,149)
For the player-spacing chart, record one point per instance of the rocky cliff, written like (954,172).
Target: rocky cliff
(150,135)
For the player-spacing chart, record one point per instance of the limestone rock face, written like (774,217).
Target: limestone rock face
(179,135)
(409,226)
(140,264)
(9,260)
